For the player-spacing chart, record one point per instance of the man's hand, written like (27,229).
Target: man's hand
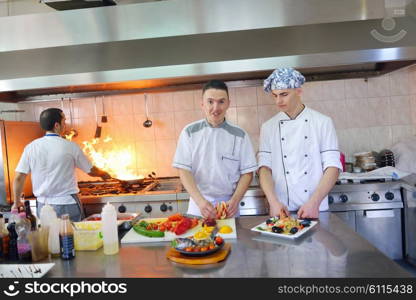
(309,210)
(278,209)
(17,204)
(208,211)
(232,208)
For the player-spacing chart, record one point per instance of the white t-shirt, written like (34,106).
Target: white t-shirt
(298,151)
(52,161)
(216,156)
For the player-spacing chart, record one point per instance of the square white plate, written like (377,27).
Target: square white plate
(24,270)
(285,236)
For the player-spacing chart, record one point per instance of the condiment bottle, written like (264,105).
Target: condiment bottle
(30,216)
(109,229)
(13,253)
(66,238)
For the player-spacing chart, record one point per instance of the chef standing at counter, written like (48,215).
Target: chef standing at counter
(215,158)
(52,161)
(298,155)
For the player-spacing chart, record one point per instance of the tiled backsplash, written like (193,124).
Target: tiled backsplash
(368,115)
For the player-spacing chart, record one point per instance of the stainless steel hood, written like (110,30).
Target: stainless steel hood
(77,4)
(176,42)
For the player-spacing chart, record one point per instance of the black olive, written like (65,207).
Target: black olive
(293,230)
(269,221)
(276,229)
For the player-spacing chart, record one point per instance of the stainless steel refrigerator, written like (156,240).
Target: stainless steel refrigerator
(14,137)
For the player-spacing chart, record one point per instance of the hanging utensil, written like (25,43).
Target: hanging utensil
(98,128)
(148,123)
(104,116)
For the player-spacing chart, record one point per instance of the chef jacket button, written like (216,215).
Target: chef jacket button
(306,120)
(281,122)
(306,137)
(283,139)
(306,173)
(284,156)
(287,172)
(306,155)
(306,191)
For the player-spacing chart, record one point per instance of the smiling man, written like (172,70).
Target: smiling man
(298,155)
(215,158)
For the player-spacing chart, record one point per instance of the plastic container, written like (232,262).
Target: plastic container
(49,219)
(88,236)
(109,229)
(39,243)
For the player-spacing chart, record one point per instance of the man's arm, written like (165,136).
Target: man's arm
(95,172)
(311,208)
(18,185)
(267,184)
(188,181)
(242,186)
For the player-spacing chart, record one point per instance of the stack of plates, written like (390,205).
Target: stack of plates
(365,160)
(385,158)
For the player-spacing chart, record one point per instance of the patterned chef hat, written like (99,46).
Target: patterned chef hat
(283,78)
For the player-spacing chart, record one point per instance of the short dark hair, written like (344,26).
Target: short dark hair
(49,117)
(215,84)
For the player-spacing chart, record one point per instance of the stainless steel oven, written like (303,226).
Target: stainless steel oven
(373,210)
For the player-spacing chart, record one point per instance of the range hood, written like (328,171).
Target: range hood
(77,4)
(140,47)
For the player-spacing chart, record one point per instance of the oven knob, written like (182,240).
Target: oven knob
(242,203)
(163,207)
(148,208)
(389,196)
(375,197)
(330,199)
(170,207)
(122,208)
(343,198)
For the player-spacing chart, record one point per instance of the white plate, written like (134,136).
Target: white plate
(24,270)
(285,236)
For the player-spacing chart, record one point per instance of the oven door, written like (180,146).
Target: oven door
(383,229)
(347,216)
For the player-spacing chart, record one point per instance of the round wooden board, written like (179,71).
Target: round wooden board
(216,257)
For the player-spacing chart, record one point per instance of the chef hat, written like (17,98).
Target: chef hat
(283,78)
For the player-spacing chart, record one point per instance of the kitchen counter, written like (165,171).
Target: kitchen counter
(330,249)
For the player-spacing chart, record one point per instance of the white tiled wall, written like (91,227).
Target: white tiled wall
(368,115)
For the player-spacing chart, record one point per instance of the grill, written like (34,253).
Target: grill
(154,197)
(101,188)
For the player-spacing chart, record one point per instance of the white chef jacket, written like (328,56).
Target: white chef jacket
(216,156)
(52,161)
(298,151)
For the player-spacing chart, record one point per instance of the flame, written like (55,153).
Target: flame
(117,161)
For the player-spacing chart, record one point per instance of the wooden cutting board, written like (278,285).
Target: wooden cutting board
(214,258)
(133,237)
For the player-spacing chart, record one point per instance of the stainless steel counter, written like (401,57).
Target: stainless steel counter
(329,250)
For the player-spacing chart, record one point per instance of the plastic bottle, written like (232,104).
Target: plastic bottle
(23,246)
(49,219)
(1,237)
(30,216)
(6,239)
(109,229)
(66,238)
